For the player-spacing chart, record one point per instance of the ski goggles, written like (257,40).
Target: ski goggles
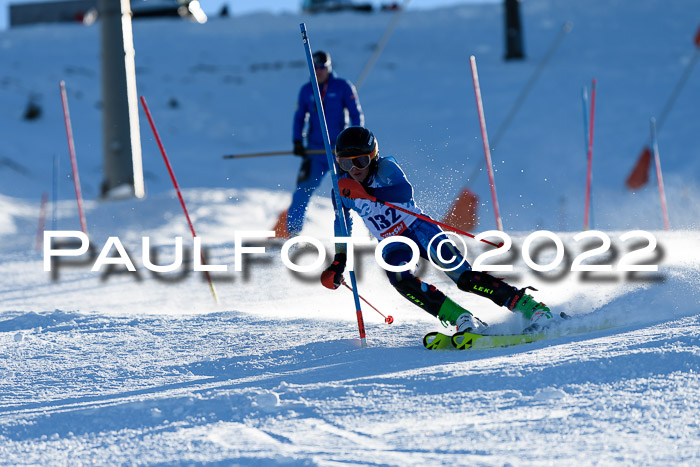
(360,161)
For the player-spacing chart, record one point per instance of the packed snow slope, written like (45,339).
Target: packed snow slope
(112,367)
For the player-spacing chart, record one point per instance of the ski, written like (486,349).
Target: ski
(437,340)
(470,340)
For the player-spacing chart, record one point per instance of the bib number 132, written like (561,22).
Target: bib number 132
(386,220)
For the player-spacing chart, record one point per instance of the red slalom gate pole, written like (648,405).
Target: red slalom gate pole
(589,171)
(177,188)
(387,319)
(73,160)
(485,139)
(505,124)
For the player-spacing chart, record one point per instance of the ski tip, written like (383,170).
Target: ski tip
(436,341)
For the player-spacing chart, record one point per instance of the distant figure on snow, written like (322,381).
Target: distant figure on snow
(365,178)
(342,107)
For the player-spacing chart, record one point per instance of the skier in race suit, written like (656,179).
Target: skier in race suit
(341,106)
(366,177)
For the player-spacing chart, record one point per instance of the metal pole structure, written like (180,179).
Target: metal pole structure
(485,138)
(514,31)
(121,140)
(270,153)
(659,177)
(334,175)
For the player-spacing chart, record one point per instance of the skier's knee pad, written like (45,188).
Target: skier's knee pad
(398,254)
(486,286)
(408,285)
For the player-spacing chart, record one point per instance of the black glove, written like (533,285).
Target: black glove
(299,149)
(332,277)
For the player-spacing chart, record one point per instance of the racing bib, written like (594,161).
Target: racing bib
(384,221)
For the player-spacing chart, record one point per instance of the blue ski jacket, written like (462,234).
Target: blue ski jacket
(387,183)
(340,103)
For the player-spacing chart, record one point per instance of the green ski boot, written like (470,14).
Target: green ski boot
(451,313)
(536,312)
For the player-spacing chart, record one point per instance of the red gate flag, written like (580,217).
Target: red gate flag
(640,174)
(463,213)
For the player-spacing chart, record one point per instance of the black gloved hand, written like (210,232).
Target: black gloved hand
(299,149)
(332,277)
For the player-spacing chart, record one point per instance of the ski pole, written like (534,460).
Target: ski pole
(387,319)
(271,153)
(340,215)
(177,189)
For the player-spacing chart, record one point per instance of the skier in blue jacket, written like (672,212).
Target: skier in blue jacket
(365,178)
(341,106)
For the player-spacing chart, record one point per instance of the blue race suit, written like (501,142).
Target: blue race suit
(387,182)
(341,106)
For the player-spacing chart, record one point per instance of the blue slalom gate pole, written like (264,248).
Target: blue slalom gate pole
(589,171)
(584,99)
(334,175)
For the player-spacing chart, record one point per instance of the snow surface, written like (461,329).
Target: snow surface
(112,367)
